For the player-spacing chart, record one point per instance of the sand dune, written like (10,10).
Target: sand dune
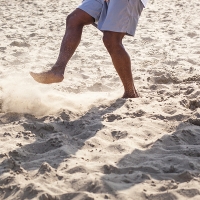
(78,139)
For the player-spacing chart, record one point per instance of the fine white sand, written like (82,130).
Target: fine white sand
(78,139)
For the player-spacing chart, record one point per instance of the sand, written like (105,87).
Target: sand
(78,139)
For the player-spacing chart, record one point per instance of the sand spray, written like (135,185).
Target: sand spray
(21,94)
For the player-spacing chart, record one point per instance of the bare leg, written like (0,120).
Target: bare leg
(121,61)
(74,26)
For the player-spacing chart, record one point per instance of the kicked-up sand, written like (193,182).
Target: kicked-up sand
(78,139)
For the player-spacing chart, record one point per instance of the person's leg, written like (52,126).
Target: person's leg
(74,26)
(121,61)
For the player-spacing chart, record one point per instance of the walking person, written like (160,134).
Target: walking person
(115,18)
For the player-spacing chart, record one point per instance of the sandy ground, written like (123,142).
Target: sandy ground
(78,139)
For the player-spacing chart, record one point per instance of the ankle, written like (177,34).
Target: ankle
(58,69)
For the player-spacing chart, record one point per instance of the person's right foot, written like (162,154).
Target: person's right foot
(48,77)
(130,95)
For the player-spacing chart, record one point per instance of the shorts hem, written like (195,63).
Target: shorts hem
(119,31)
(89,13)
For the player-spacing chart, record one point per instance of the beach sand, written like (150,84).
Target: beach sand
(79,139)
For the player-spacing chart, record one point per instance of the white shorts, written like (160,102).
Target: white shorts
(116,15)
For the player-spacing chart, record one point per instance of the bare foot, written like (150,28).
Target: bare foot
(130,95)
(48,77)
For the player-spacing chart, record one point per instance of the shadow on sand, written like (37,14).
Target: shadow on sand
(171,160)
(174,158)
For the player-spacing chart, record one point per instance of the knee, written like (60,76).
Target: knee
(110,41)
(69,19)
(107,40)
(73,21)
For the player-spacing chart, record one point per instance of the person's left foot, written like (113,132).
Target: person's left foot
(48,77)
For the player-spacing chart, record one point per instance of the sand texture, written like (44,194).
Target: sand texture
(79,140)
